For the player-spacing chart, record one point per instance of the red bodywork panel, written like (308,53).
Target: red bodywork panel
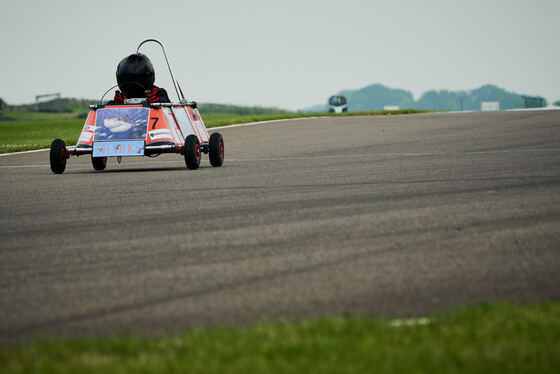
(168,124)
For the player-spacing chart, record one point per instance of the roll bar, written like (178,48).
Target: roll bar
(175,83)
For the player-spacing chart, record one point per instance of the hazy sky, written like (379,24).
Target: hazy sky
(289,54)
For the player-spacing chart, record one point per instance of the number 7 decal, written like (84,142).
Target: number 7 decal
(155,119)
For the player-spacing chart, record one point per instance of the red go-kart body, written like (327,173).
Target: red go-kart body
(147,129)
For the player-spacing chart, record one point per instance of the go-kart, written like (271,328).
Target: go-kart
(338,104)
(139,128)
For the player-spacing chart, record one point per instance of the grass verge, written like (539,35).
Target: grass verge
(25,135)
(217,119)
(32,130)
(502,338)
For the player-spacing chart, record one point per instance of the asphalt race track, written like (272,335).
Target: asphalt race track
(393,216)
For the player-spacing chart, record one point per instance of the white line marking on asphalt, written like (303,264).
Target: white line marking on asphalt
(20,153)
(263,122)
(210,129)
(410,322)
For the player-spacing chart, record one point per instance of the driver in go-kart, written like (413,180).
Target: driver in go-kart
(135,77)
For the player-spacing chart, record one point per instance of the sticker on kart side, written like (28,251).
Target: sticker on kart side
(85,136)
(160,134)
(169,118)
(118,148)
(195,118)
(183,121)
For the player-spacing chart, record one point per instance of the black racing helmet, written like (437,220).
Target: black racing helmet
(135,75)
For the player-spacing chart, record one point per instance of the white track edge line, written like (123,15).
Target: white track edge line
(20,153)
(209,129)
(263,122)
(410,322)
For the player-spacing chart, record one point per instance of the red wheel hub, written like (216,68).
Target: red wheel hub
(64,156)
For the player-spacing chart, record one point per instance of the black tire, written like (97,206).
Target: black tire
(58,156)
(99,163)
(216,150)
(192,152)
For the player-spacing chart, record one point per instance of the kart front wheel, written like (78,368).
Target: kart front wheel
(216,152)
(99,163)
(192,152)
(58,156)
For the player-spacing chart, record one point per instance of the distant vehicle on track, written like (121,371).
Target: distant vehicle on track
(337,104)
(138,127)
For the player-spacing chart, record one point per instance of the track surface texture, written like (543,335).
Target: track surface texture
(393,216)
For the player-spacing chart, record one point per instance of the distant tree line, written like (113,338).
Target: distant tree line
(68,105)
(376,96)
(64,105)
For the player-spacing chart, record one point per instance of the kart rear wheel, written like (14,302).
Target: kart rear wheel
(58,156)
(99,163)
(216,152)
(192,152)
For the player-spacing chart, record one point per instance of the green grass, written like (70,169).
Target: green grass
(493,338)
(18,136)
(219,119)
(36,130)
